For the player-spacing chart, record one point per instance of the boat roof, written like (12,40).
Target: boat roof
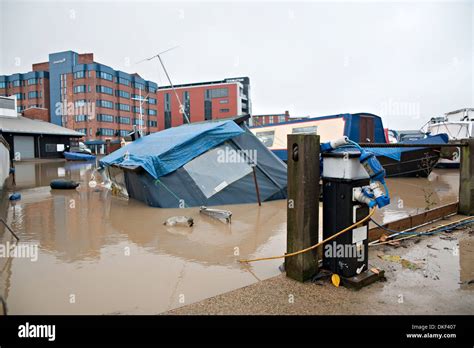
(458,111)
(309,119)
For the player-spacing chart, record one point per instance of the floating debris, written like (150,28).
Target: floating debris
(219,214)
(398,259)
(179,221)
(63,184)
(15,196)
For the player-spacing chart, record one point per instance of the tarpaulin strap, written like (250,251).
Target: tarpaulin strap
(171,192)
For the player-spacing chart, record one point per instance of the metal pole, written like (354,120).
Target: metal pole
(174,90)
(256,185)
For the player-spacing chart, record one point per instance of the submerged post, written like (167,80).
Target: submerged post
(303,205)
(466,178)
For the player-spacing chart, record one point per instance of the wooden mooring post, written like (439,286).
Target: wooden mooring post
(466,179)
(303,205)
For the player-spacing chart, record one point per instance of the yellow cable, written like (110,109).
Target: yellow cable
(372,211)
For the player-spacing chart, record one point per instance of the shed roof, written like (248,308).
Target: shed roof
(25,125)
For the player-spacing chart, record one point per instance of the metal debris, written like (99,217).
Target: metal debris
(219,214)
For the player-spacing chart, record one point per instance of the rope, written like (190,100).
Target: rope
(171,192)
(372,211)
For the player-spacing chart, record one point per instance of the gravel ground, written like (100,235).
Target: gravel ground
(443,284)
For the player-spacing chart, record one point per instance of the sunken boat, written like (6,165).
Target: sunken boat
(198,164)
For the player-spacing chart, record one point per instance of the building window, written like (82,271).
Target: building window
(32,82)
(106,131)
(305,130)
(218,93)
(152,101)
(81,130)
(138,85)
(79,89)
(51,147)
(104,76)
(167,111)
(224,101)
(122,107)
(104,89)
(33,95)
(152,123)
(3,85)
(81,118)
(152,112)
(224,110)
(187,107)
(123,132)
(123,120)
(105,118)
(18,96)
(79,103)
(105,104)
(138,122)
(123,81)
(207,105)
(151,89)
(79,75)
(16,83)
(122,94)
(136,109)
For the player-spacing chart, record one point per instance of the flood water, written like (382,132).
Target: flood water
(99,254)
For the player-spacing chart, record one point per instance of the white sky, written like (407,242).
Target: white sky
(405,61)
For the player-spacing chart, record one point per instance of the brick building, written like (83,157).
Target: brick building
(105,104)
(204,101)
(261,120)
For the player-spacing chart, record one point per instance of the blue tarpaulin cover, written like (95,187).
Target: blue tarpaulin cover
(164,152)
(396,153)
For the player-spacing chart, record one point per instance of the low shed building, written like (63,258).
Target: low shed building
(30,139)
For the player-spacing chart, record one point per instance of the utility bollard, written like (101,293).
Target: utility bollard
(466,179)
(303,205)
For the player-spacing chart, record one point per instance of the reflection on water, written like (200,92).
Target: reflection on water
(100,254)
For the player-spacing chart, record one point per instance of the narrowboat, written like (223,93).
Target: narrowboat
(361,128)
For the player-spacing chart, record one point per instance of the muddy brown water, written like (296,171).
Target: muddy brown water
(99,254)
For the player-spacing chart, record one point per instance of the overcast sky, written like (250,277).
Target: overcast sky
(404,61)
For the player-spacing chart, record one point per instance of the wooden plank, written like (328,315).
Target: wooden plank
(414,220)
(303,205)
